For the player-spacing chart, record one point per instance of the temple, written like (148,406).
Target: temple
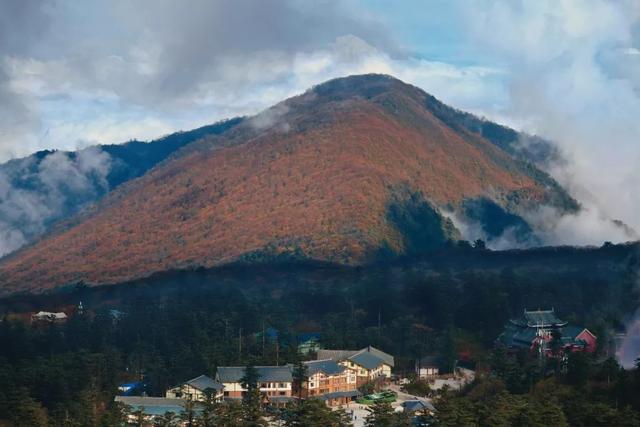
(543,332)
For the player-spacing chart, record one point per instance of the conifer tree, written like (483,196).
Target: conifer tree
(381,414)
(251,401)
(300,377)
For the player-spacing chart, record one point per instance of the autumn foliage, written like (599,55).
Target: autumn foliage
(313,176)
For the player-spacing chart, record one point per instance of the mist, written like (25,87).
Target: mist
(563,70)
(36,192)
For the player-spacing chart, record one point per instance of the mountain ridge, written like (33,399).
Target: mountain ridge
(349,169)
(52,185)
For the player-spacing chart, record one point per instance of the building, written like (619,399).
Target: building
(331,382)
(368,364)
(418,407)
(427,367)
(129,389)
(196,389)
(275,382)
(48,317)
(308,342)
(152,407)
(543,332)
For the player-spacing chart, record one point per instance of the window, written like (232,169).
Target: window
(263,385)
(226,393)
(282,385)
(282,393)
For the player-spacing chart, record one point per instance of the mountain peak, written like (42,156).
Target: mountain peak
(351,170)
(364,86)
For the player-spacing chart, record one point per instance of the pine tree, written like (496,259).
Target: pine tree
(211,409)
(231,415)
(454,412)
(315,413)
(168,419)
(381,414)
(28,412)
(188,415)
(300,377)
(251,401)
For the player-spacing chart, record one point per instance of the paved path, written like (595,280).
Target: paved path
(359,412)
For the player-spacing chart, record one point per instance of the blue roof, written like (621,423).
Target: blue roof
(366,360)
(155,405)
(308,336)
(328,367)
(272,333)
(127,389)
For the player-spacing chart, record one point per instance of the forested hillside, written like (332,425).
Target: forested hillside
(177,326)
(353,169)
(48,186)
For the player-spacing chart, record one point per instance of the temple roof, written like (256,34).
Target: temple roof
(539,318)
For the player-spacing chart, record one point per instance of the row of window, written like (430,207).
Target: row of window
(273,385)
(268,393)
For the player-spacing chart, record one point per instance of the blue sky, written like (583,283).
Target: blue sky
(74,74)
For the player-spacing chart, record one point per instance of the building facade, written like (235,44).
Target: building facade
(196,389)
(368,364)
(427,367)
(331,382)
(275,382)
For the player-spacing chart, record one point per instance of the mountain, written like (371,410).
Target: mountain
(38,190)
(353,170)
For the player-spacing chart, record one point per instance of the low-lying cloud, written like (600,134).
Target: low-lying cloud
(573,78)
(33,193)
(79,73)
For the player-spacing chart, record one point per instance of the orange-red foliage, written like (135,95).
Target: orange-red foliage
(321,183)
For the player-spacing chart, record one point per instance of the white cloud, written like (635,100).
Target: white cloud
(70,181)
(573,80)
(561,69)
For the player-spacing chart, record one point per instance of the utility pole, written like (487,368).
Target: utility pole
(263,333)
(379,323)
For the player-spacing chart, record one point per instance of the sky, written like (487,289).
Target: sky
(75,74)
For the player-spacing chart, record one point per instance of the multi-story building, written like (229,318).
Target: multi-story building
(275,382)
(368,364)
(329,381)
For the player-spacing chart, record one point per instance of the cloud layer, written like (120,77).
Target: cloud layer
(74,74)
(33,194)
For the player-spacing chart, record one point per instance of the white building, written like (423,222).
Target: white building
(196,389)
